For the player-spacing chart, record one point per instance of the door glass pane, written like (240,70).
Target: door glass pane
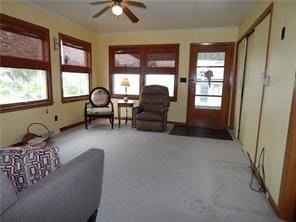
(127,60)
(161,60)
(210,59)
(163,80)
(209,88)
(133,89)
(205,102)
(75,84)
(210,74)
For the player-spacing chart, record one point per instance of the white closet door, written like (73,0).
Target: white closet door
(252,94)
(242,49)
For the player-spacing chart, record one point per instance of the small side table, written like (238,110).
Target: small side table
(127,104)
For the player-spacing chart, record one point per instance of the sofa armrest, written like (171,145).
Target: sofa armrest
(72,193)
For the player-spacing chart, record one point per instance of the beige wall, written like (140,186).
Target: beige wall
(13,124)
(178,109)
(278,95)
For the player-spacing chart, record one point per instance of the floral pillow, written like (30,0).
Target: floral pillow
(26,165)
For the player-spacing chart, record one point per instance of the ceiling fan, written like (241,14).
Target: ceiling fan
(118,7)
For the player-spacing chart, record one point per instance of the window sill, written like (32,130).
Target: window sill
(74,99)
(22,106)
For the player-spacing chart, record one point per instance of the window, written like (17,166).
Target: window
(75,58)
(25,69)
(143,65)
(134,80)
(164,80)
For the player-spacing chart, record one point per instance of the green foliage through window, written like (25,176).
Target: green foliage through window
(22,85)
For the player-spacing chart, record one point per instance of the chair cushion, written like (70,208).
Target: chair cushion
(26,165)
(99,111)
(149,116)
(7,193)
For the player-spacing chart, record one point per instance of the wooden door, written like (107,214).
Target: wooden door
(209,85)
(253,87)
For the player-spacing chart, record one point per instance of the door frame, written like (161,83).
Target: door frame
(192,61)
(287,197)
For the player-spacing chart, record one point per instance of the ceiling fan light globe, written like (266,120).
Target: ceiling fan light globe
(117,10)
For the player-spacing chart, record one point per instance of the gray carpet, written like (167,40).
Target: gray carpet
(157,177)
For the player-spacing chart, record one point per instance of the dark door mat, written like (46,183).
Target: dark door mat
(201,132)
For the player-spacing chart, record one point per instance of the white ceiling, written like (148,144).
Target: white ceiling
(159,15)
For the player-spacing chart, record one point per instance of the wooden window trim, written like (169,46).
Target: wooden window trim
(82,45)
(144,69)
(18,26)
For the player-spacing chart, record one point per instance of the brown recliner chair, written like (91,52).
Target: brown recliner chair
(151,114)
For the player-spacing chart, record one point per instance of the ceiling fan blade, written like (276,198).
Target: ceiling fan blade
(98,3)
(137,4)
(130,15)
(102,11)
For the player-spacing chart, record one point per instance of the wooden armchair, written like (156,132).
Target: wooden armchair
(99,106)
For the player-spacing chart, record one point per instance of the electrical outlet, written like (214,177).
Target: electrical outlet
(183,79)
(56,118)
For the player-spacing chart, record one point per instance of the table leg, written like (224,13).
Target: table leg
(126,115)
(119,115)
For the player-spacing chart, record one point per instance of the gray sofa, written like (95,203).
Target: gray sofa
(72,193)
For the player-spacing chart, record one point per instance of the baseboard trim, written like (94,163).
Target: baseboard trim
(177,123)
(17,144)
(274,206)
(75,125)
(71,126)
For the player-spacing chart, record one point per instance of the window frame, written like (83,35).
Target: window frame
(144,69)
(25,28)
(78,44)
